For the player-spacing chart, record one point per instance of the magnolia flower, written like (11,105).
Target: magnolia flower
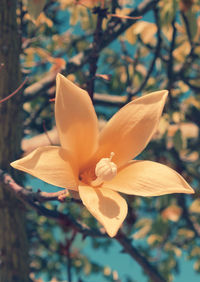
(99,165)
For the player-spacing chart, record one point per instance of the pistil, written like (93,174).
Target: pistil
(105,170)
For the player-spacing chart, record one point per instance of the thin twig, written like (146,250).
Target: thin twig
(170,66)
(15,92)
(124,17)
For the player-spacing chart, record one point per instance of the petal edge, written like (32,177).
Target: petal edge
(76,120)
(132,127)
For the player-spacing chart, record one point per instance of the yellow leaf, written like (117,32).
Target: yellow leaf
(192,101)
(172,213)
(163,125)
(195,206)
(145,225)
(188,156)
(130,36)
(65,3)
(188,129)
(195,251)
(142,232)
(182,51)
(107,271)
(171,247)
(154,238)
(183,87)
(58,65)
(146,30)
(141,69)
(42,19)
(186,233)
(197,265)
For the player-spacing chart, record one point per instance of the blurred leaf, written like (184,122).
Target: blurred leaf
(195,206)
(187,233)
(154,238)
(191,17)
(197,265)
(35,7)
(182,51)
(172,213)
(177,140)
(167,10)
(170,247)
(146,30)
(144,226)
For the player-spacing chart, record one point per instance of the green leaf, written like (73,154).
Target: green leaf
(178,141)
(35,7)
(192,21)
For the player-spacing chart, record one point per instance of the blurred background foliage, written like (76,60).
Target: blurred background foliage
(133,57)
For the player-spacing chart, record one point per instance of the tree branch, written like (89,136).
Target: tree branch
(170,67)
(31,198)
(94,55)
(151,271)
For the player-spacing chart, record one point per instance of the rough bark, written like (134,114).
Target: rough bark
(14,265)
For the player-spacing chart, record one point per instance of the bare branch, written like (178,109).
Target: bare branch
(31,198)
(94,54)
(15,92)
(151,271)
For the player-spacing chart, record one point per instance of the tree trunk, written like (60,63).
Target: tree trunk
(14,263)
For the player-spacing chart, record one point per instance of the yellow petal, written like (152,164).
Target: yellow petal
(128,132)
(146,178)
(76,120)
(51,164)
(108,207)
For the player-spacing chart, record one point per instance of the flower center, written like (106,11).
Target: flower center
(105,170)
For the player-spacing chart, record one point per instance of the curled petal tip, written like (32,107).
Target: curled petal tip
(59,76)
(190,190)
(166,92)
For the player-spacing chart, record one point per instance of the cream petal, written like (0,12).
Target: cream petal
(76,120)
(128,132)
(108,207)
(51,164)
(146,178)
